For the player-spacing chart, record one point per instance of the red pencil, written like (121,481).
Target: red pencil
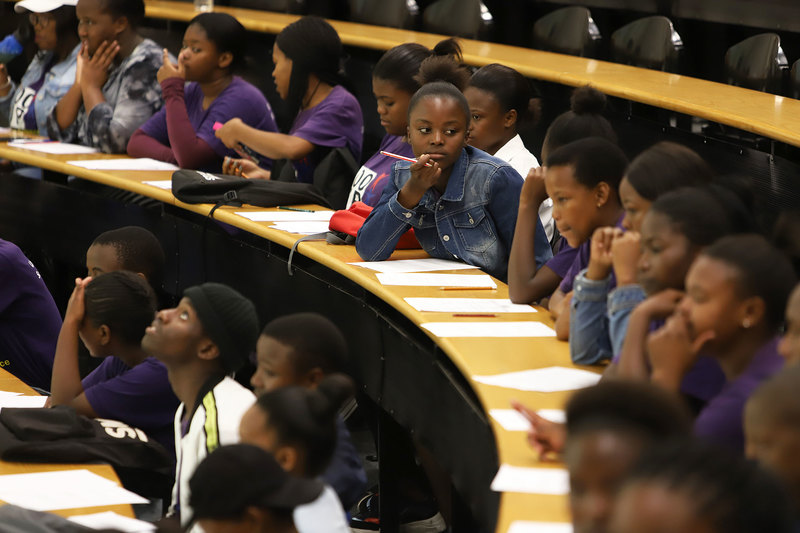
(404,158)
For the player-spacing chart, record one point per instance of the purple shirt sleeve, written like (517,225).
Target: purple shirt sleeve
(140,396)
(580,261)
(563,259)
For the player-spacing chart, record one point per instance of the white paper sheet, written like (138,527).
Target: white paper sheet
(305,227)
(68,489)
(112,520)
(531,480)
(414,265)
(161,184)
(467,305)
(49,147)
(142,163)
(549,379)
(489,329)
(437,280)
(286,216)
(22,401)
(513,420)
(522,526)
(5,394)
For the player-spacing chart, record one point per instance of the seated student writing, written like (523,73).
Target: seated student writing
(29,319)
(393,84)
(115,88)
(224,503)
(51,72)
(209,335)
(659,169)
(736,292)
(109,315)
(609,427)
(582,178)
(772,431)
(500,100)
(459,200)
(182,131)
(526,282)
(298,427)
(301,350)
(325,115)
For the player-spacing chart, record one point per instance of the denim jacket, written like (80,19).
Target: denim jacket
(472,221)
(56,84)
(598,319)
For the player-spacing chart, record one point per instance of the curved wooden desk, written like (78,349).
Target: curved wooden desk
(10,383)
(772,116)
(422,381)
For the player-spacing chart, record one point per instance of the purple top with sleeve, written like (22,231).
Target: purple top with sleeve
(239,99)
(580,262)
(720,421)
(372,177)
(562,260)
(29,319)
(333,123)
(140,396)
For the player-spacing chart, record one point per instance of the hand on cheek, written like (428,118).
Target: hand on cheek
(600,252)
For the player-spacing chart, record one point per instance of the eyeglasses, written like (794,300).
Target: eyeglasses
(40,20)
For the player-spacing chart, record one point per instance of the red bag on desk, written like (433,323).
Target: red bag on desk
(345,223)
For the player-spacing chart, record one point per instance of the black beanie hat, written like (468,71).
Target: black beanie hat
(229,319)
(235,477)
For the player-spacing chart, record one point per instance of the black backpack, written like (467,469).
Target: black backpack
(60,435)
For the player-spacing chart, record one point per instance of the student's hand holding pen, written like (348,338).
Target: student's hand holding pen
(244,168)
(425,173)
(547,438)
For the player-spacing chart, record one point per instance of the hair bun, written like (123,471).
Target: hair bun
(448,47)
(331,394)
(443,68)
(587,100)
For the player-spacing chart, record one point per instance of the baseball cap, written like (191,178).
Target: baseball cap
(42,6)
(238,476)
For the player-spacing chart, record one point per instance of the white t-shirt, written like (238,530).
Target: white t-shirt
(515,154)
(215,423)
(323,515)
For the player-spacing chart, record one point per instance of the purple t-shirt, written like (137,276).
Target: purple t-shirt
(29,319)
(720,421)
(562,260)
(371,178)
(239,99)
(333,123)
(140,396)
(580,262)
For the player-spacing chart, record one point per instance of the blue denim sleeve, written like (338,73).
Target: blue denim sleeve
(589,341)
(378,236)
(621,302)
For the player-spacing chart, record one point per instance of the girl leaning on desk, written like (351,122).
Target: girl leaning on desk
(26,105)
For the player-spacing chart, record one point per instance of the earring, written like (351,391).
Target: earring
(746,323)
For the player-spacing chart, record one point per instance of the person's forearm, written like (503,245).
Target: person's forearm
(190,151)
(92,96)
(632,362)
(142,145)
(273,145)
(562,323)
(68,107)
(65,384)
(522,283)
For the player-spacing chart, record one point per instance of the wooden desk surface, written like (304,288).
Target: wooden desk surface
(10,383)
(775,117)
(471,356)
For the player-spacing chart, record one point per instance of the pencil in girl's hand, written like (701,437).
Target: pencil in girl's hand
(404,158)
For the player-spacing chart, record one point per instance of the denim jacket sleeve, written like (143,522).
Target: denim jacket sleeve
(589,341)
(385,225)
(621,302)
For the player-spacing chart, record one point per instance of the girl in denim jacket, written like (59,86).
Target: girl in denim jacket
(460,201)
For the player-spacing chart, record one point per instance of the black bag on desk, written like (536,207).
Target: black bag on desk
(60,435)
(195,187)
(333,175)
